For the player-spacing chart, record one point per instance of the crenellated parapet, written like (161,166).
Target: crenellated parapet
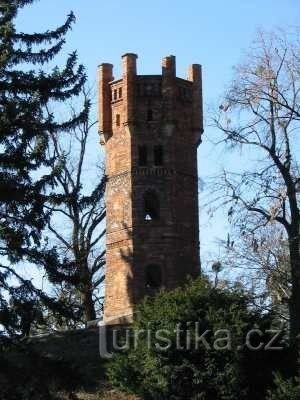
(118,98)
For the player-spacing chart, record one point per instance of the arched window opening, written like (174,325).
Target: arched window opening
(149,115)
(118,120)
(158,155)
(143,156)
(151,206)
(153,278)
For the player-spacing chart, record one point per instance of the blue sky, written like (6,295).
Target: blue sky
(213,33)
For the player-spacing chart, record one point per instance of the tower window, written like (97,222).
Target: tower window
(151,206)
(120,92)
(150,115)
(158,155)
(118,120)
(143,156)
(115,94)
(148,90)
(153,278)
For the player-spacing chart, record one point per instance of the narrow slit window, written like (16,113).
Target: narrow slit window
(143,156)
(120,92)
(153,278)
(151,206)
(158,155)
(150,115)
(118,120)
(115,94)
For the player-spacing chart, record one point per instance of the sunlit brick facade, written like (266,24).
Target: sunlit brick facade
(151,126)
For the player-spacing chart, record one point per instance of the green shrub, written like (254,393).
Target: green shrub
(286,389)
(196,373)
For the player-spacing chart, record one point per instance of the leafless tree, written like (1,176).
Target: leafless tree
(260,115)
(259,262)
(77,218)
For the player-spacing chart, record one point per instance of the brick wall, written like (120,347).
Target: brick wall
(162,115)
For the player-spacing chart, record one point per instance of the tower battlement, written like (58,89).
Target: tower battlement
(151,126)
(124,92)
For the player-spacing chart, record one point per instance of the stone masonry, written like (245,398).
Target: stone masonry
(151,126)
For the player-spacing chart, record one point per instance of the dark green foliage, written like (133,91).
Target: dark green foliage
(286,389)
(203,373)
(27,96)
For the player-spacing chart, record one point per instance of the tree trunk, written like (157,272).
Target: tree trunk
(86,290)
(294,303)
(88,305)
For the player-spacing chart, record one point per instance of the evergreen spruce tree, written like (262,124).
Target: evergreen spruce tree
(27,95)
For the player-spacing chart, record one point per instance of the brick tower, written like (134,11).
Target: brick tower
(151,126)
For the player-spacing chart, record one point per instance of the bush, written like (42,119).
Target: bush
(158,371)
(286,389)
